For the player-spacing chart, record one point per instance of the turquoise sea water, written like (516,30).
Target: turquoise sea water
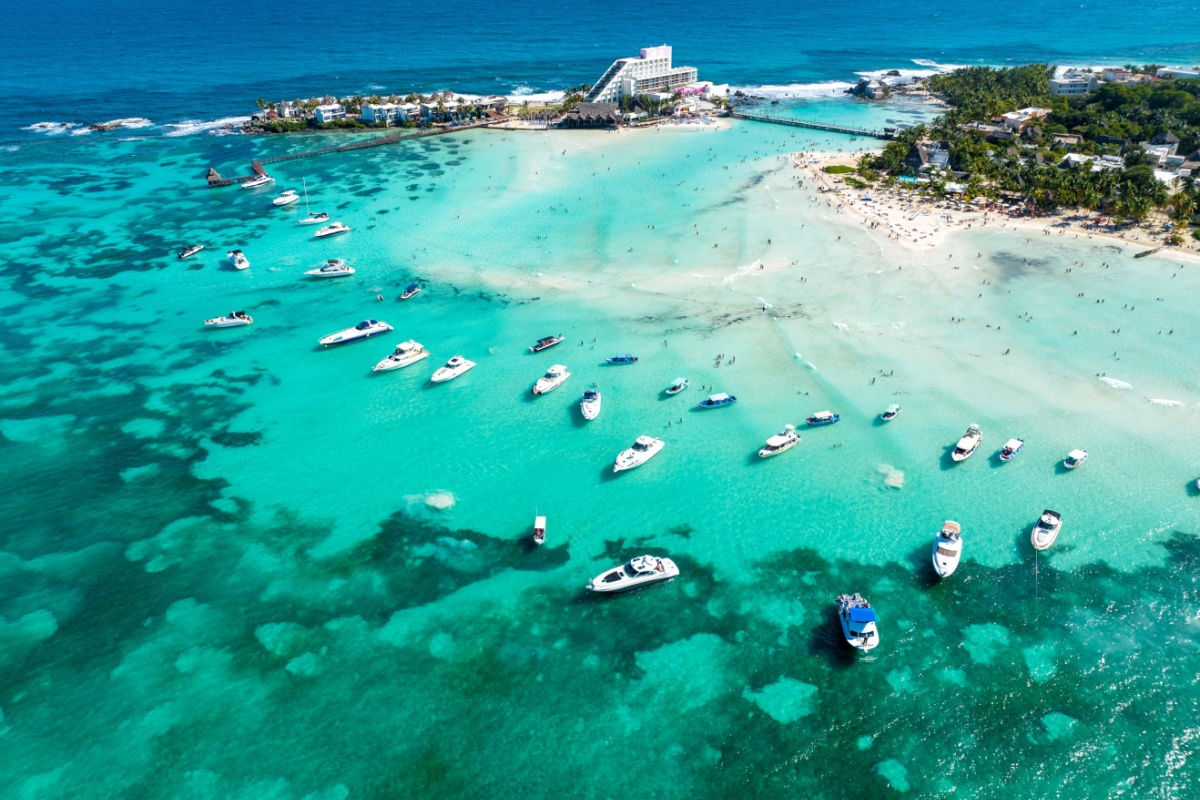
(233,565)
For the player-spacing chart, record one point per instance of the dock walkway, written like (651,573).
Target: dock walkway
(819,126)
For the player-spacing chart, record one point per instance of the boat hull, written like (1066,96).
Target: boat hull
(443,374)
(613,581)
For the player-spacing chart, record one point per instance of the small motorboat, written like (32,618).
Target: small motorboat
(1046,530)
(786,439)
(1011,448)
(677,386)
(332,229)
(554,378)
(823,418)
(410,290)
(333,268)
(717,400)
(947,549)
(968,444)
(892,412)
(189,251)
(539,530)
(262,179)
(406,353)
(589,406)
(644,448)
(363,330)
(313,218)
(456,366)
(237,259)
(636,572)
(1075,458)
(286,198)
(622,358)
(233,319)
(858,622)
(545,343)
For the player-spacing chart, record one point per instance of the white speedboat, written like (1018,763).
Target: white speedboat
(233,319)
(891,413)
(1046,530)
(333,268)
(539,530)
(947,549)
(638,571)
(1011,448)
(786,439)
(677,386)
(968,444)
(644,449)
(589,406)
(411,290)
(237,259)
(363,330)
(313,218)
(858,622)
(553,379)
(718,400)
(332,229)
(286,198)
(545,343)
(1075,458)
(406,353)
(456,366)
(189,251)
(262,179)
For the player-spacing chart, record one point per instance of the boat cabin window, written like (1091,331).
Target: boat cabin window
(944,552)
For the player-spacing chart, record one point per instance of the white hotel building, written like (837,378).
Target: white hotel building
(650,72)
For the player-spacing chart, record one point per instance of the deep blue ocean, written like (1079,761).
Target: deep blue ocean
(170,60)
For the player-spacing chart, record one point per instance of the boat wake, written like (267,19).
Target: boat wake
(1116,384)
(892,478)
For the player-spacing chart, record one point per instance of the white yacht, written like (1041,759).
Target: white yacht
(947,549)
(237,259)
(406,353)
(554,378)
(786,439)
(1046,530)
(189,251)
(638,571)
(589,406)
(539,529)
(968,444)
(1075,458)
(333,268)
(456,366)
(363,330)
(233,319)
(858,622)
(313,218)
(262,179)
(332,229)
(644,449)
(286,198)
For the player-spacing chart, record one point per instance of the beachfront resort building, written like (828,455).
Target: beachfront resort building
(1018,120)
(389,112)
(1072,82)
(329,112)
(650,71)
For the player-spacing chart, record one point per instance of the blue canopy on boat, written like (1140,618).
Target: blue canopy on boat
(411,286)
(862,615)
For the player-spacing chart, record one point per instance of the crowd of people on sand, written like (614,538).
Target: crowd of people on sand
(920,221)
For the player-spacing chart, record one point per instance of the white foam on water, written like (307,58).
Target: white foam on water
(50,128)
(892,478)
(1115,383)
(523,93)
(841,326)
(742,271)
(1162,401)
(764,303)
(192,126)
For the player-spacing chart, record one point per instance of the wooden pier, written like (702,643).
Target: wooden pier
(818,126)
(378,141)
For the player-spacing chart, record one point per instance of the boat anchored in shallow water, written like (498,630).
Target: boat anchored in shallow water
(1075,458)
(406,353)
(717,400)
(409,291)
(262,179)
(311,217)
(189,251)
(823,418)
(539,530)
(677,386)
(589,406)
(858,622)
(363,330)
(622,358)
(545,343)
(784,440)
(237,259)
(638,571)
(233,319)
(554,378)
(332,229)
(456,366)
(891,413)
(644,449)
(286,198)
(333,268)
(968,444)
(1011,448)
(1045,531)
(947,549)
